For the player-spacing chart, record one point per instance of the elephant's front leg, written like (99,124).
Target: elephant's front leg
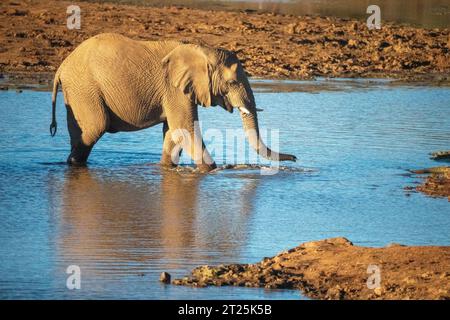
(187,135)
(171,151)
(206,162)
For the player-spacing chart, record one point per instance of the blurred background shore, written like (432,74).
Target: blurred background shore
(421,13)
(274,40)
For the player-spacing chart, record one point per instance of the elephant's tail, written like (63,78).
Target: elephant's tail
(56,82)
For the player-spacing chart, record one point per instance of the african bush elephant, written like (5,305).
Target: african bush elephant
(112,83)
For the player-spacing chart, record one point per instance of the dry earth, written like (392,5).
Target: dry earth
(34,40)
(337,269)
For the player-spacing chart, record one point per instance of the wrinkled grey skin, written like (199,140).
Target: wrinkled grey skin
(112,83)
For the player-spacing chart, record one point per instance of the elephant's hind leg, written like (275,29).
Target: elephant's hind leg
(85,129)
(79,154)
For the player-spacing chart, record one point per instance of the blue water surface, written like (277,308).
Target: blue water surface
(123,220)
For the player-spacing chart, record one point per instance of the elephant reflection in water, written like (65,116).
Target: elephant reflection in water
(111,220)
(195,216)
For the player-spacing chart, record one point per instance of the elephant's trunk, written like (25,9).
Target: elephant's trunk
(250,124)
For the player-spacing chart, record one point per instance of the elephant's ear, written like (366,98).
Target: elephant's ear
(187,69)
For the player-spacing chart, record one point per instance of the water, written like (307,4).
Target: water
(123,220)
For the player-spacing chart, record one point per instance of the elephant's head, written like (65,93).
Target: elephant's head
(215,77)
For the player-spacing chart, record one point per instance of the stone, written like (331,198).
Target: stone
(164,277)
(378,291)
(352,43)
(394,244)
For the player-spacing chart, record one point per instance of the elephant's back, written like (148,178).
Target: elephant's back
(110,55)
(126,74)
(104,50)
(111,62)
(123,72)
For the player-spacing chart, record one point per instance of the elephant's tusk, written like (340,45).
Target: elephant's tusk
(244,110)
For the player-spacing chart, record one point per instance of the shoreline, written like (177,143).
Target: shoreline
(270,46)
(43,81)
(336,269)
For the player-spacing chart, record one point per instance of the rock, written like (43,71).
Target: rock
(278,259)
(335,293)
(49,21)
(178,282)
(290,28)
(164,277)
(378,291)
(436,170)
(440,155)
(410,280)
(352,43)
(340,241)
(266,261)
(444,294)
(437,184)
(277,267)
(20,35)
(295,28)
(342,42)
(400,48)
(394,244)
(383,44)
(17,12)
(312,244)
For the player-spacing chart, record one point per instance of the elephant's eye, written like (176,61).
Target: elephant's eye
(232,83)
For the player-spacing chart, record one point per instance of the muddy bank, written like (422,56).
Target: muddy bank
(337,269)
(437,182)
(34,40)
(437,179)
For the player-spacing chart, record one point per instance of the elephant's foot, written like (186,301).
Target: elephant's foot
(79,154)
(205,168)
(166,161)
(71,161)
(167,166)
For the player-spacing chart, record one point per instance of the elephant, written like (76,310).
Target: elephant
(112,83)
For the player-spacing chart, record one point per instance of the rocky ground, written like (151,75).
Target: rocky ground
(337,269)
(34,40)
(437,182)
